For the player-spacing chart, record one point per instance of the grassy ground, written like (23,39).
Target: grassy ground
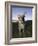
(27,30)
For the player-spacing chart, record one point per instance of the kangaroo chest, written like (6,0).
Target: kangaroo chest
(21,24)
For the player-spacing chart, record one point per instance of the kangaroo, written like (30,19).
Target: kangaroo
(21,25)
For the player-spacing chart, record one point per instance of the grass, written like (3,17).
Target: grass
(27,30)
